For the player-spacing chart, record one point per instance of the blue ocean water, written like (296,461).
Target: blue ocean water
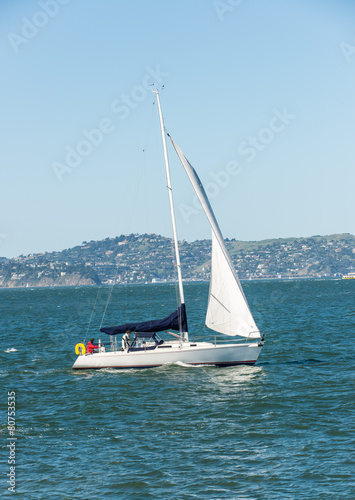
(282,429)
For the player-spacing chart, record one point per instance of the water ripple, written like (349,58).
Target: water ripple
(280,429)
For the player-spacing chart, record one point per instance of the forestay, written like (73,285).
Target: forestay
(228,310)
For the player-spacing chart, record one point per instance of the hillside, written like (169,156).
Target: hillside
(144,258)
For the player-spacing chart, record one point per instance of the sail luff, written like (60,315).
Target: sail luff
(202,196)
(240,319)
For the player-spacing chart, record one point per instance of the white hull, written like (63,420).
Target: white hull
(199,353)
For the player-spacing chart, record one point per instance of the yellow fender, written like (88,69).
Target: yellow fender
(79,347)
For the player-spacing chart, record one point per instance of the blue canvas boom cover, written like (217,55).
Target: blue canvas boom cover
(175,321)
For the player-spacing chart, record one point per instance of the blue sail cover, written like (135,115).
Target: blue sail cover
(175,321)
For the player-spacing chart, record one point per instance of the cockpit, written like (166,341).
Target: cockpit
(144,341)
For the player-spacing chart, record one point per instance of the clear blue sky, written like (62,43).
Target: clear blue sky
(258,94)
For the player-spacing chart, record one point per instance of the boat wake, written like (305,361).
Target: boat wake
(185,365)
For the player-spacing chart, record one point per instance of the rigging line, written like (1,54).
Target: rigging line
(106,306)
(174,265)
(92,313)
(173,260)
(139,178)
(138,181)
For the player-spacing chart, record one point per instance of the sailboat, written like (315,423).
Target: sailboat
(228,311)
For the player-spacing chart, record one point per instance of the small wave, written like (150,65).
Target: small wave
(185,365)
(293,362)
(305,361)
(113,370)
(11,349)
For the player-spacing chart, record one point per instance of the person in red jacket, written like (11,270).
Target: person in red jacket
(91,346)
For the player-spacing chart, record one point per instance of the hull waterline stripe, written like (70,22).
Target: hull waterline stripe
(216,363)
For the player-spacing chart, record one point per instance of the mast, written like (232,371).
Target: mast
(171,202)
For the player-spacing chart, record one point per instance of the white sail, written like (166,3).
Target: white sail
(228,311)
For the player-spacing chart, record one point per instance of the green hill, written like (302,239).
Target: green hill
(143,258)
